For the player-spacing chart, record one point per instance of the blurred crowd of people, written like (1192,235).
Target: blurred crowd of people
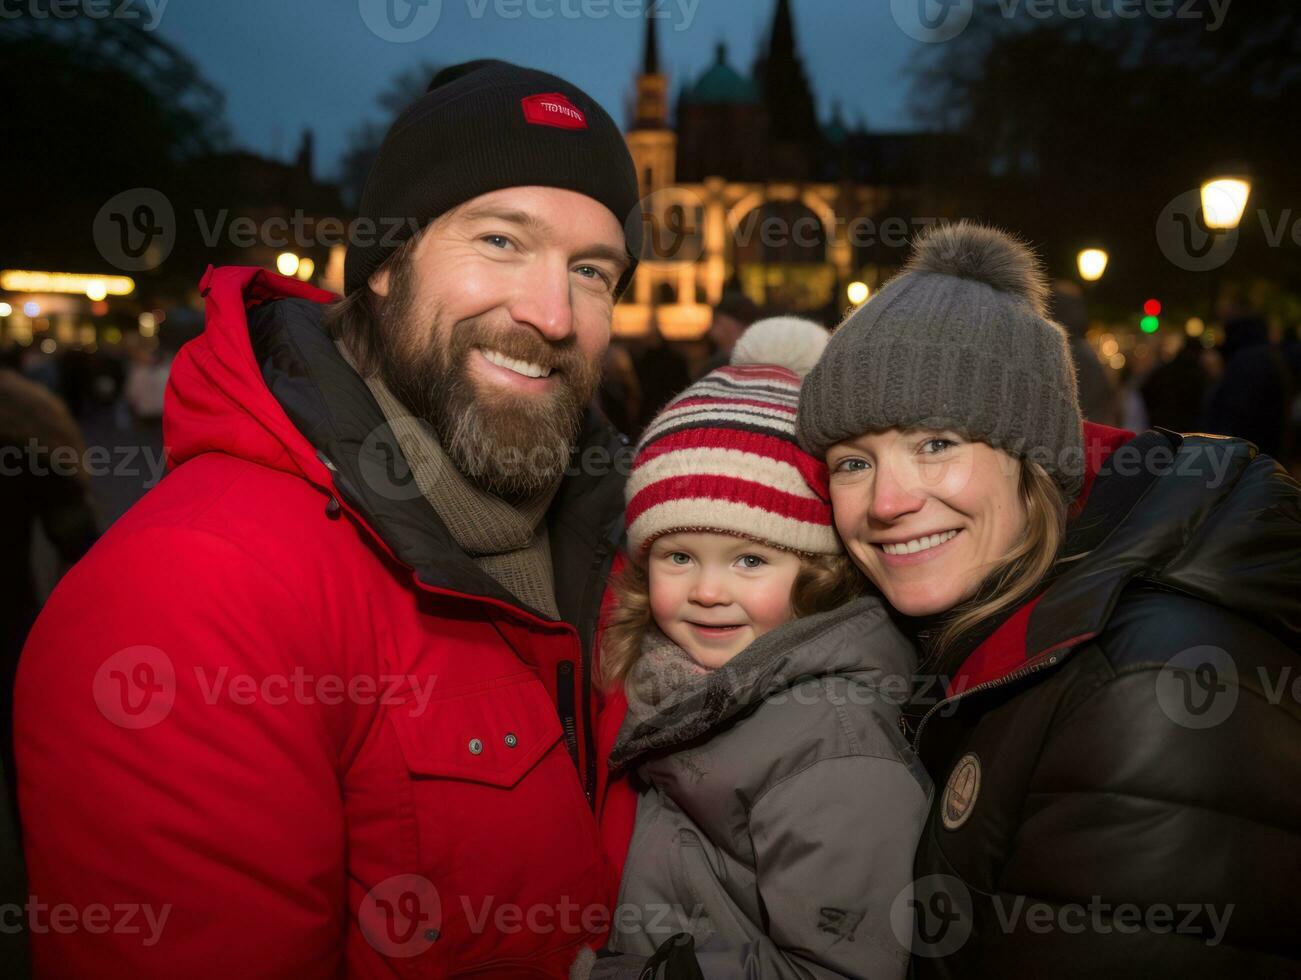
(52,508)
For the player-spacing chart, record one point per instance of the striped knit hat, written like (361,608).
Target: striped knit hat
(723,455)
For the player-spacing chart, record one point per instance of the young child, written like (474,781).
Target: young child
(779,803)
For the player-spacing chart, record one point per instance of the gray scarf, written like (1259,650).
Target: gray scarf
(663,672)
(508,542)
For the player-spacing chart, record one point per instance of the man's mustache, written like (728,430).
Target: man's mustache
(521,343)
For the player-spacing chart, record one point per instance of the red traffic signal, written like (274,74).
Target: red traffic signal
(1152,307)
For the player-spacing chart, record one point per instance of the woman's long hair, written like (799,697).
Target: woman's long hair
(824,582)
(1023,569)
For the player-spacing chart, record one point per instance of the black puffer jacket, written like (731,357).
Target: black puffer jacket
(1118,794)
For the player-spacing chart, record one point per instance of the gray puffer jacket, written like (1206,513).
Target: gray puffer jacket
(781,808)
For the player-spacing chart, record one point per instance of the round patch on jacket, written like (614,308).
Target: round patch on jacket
(960,792)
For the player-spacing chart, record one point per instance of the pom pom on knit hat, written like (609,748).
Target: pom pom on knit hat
(723,455)
(970,251)
(958,340)
(787,341)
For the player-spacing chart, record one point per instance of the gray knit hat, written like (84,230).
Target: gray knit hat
(958,340)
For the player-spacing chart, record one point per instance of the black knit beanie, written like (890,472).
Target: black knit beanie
(482,126)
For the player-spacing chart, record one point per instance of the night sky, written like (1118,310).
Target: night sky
(289,64)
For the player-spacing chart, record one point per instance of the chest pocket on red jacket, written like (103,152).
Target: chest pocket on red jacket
(492,735)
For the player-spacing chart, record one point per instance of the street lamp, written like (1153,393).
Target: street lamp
(858,292)
(1092,263)
(287,263)
(1224,199)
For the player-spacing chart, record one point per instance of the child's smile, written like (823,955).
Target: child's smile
(713,594)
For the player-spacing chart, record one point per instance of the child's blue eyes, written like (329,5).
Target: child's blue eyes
(747,561)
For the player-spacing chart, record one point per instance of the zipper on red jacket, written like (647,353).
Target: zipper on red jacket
(565,703)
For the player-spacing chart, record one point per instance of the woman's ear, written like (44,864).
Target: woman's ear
(379,281)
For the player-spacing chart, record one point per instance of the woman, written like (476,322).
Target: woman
(1108,627)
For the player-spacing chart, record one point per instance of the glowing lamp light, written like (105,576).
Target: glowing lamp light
(1092,263)
(858,292)
(306,267)
(32,308)
(24,281)
(1195,326)
(5,309)
(1224,200)
(287,263)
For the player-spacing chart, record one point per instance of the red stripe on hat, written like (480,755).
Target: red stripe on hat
(812,469)
(682,488)
(724,401)
(770,371)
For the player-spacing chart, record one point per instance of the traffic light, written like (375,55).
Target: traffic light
(1151,311)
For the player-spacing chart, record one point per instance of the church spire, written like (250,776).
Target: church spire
(781,41)
(652,109)
(651,56)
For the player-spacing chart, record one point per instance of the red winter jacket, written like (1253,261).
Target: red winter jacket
(276,724)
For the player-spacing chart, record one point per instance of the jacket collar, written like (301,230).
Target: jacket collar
(265,382)
(1147,517)
(856,638)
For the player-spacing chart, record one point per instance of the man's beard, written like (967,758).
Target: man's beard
(514,445)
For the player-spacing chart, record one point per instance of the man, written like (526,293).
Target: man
(321,704)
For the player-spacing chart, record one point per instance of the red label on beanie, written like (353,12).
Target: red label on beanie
(553,109)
